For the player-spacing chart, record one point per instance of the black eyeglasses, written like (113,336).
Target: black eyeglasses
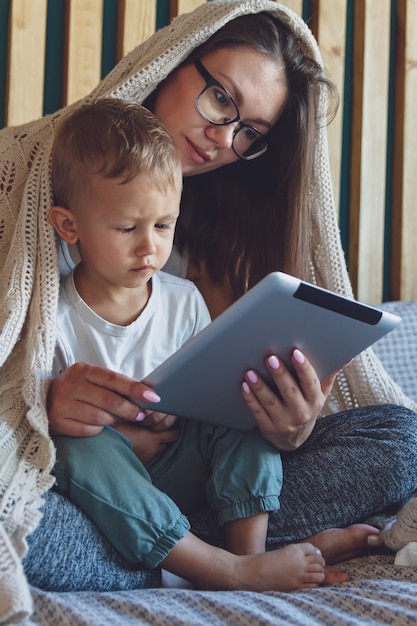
(217,106)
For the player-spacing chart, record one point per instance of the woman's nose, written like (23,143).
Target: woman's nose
(222,135)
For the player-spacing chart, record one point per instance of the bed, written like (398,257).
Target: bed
(379,591)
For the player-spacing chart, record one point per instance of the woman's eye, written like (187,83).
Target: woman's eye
(163,226)
(251,134)
(128,229)
(222,98)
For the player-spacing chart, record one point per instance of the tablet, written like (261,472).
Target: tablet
(203,379)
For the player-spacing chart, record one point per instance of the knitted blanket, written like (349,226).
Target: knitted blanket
(29,281)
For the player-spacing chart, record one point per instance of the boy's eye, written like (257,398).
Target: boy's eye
(163,226)
(127,229)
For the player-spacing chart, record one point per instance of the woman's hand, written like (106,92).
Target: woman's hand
(84,398)
(286,419)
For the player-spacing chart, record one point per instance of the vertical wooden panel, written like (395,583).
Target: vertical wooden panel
(26,61)
(295,5)
(369,144)
(404,209)
(176,7)
(185,6)
(83,48)
(331,36)
(136,23)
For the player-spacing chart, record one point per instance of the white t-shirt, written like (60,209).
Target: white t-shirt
(175,312)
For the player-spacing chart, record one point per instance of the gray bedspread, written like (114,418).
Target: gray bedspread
(379,593)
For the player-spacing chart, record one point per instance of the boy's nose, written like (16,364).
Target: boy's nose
(146,245)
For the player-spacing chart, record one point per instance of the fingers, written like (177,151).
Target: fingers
(146,443)
(286,414)
(327,384)
(295,391)
(85,398)
(158,421)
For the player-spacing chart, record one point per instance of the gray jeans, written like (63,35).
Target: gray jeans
(354,465)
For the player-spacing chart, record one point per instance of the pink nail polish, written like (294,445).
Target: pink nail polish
(246,388)
(140,417)
(252,376)
(273,362)
(298,356)
(151,396)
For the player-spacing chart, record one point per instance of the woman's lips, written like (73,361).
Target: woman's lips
(197,154)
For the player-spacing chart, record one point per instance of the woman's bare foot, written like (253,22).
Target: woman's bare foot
(334,576)
(340,544)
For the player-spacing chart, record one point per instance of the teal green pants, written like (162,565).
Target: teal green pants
(142,510)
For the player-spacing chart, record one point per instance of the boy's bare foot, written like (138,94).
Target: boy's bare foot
(296,566)
(340,544)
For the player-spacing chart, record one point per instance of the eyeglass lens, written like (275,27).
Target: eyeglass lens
(218,108)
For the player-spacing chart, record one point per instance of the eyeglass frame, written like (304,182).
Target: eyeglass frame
(213,82)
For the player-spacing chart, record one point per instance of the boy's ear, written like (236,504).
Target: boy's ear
(64,222)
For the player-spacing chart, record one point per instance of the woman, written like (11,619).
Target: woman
(241,217)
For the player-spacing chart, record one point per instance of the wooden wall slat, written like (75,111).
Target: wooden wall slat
(404,196)
(369,145)
(26,61)
(176,7)
(84,27)
(331,37)
(295,5)
(136,23)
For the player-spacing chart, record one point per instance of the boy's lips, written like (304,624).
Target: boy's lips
(143,269)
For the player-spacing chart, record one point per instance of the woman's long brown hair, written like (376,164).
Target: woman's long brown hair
(253,217)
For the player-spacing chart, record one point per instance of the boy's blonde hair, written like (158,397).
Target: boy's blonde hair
(115,139)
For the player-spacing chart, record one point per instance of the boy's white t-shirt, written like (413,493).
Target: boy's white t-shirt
(175,312)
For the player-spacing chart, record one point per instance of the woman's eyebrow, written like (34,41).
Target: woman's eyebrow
(238,98)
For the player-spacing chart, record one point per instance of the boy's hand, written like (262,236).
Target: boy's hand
(147,443)
(158,422)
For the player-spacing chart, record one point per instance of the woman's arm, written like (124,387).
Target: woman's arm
(287,418)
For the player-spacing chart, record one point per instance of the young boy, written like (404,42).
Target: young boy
(117,184)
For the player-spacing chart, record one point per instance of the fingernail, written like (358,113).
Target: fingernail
(151,396)
(298,356)
(273,362)
(252,376)
(246,388)
(140,417)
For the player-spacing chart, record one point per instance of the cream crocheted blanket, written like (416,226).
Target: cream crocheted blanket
(30,278)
